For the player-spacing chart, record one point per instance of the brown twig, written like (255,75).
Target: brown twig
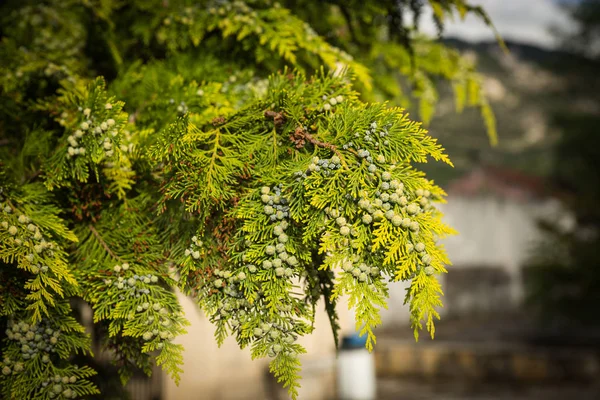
(278,118)
(103,243)
(217,121)
(300,136)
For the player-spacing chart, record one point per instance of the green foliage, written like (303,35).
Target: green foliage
(233,151)
(400,57)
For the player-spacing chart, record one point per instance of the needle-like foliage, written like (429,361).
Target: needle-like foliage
(235,151)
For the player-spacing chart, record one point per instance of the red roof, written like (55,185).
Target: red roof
(501,182)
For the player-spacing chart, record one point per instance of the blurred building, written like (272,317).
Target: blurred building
(496,212)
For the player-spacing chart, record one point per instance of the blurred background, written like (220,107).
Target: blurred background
(521,317)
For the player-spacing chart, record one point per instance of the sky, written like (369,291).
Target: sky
(526,21)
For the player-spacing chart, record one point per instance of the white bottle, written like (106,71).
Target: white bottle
(355,370)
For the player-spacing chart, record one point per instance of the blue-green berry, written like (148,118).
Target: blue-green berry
(292,261)
(414,226)
(363,203)
(347,266)
(378,215)
(412,209)
(265,327)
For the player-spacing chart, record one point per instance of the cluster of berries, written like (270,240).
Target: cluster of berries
(361,272)
(372,135)
(103,130)
(27,234)
(35,339)
(390,203)
(275,204)
(324,165)
(276,335)
(233,305)
(132,286)
(277,256)
(58,387)
(159,317)
(423,257)
(331,101)
(193,250)
(345,228)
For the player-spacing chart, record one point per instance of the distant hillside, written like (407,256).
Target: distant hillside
(527,89)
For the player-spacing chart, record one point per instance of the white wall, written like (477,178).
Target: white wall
(492,232)
(228,373)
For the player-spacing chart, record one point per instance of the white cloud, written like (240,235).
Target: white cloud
(527,21)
